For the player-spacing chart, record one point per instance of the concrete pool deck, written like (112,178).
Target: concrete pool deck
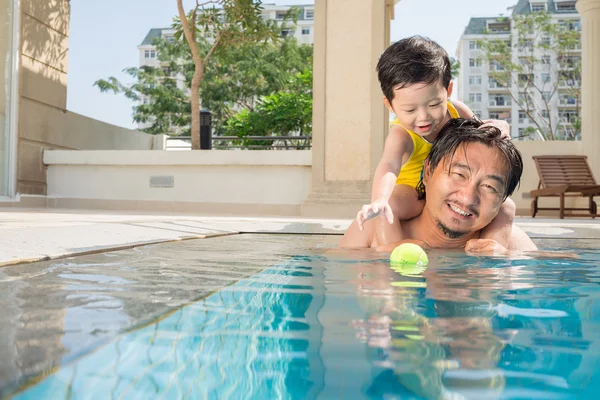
(40,234)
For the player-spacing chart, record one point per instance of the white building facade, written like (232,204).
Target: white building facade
(489,99)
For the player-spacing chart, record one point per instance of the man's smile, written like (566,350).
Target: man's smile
(461,212)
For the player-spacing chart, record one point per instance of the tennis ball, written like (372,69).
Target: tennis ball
(409,253)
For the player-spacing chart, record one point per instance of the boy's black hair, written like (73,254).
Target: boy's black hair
(461,131)
(412,60)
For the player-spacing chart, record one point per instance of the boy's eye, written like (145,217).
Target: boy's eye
(435,105)
(409,111)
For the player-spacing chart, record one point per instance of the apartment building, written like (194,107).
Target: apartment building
(489,98)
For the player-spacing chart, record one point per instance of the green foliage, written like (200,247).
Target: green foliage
(284,113)
(250,62)
(455,67)
(544,50)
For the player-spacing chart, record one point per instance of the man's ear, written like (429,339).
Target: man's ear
(450,88)
(388,105)
(426,172)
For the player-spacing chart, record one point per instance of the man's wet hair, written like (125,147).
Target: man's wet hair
(415,59)
(460,131)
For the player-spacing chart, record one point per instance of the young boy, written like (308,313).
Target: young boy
(415,77)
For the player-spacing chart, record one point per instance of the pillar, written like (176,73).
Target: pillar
(590,87)
(349,119)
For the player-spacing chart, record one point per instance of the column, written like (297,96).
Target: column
(349,119)
(590,88)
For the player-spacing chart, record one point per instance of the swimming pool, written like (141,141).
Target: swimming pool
(322,323)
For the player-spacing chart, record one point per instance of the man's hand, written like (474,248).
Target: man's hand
(485,246)
(500,124)
(372,210)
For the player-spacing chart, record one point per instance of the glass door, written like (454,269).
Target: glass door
(8,74)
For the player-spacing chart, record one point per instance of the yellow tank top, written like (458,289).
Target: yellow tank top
(410,173)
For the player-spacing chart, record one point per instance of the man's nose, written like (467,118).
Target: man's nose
(469,194)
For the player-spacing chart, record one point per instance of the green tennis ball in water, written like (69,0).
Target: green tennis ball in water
(409,253)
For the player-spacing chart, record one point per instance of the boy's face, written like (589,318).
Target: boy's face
(420,107)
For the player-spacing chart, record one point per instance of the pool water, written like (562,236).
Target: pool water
(330,324)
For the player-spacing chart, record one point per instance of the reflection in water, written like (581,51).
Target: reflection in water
(485,330)
(337,325)
(256,337)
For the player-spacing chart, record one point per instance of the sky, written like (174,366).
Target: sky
(104,36)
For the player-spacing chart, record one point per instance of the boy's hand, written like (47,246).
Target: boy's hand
(372,210)
(485,246)
(500,124)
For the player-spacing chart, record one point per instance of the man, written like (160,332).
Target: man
(468,174)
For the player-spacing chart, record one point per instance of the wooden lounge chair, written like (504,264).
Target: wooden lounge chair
(565,176)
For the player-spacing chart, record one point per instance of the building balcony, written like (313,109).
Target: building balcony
(493,104)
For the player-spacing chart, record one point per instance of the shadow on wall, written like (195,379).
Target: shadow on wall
(44,50)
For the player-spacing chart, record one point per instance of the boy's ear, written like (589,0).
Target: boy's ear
(450,87)
(388,105)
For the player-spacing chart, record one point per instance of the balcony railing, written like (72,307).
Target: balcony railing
(227,142)
(500,103)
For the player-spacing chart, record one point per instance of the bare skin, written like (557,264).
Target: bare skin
(472,183)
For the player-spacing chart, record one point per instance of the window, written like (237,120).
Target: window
(546,60)
(545,114)
(545,78)
(537,7)
(565,7)
(494,115)
(474,62)
(570,24)
(547,96)
(279,15)
(566,100)
(475,97)
(496,66)
(475,80)
(567,116)
(146,53)
(309,14)
(477,113)
(546,41)
(495,84)
(152,53)
(306,31)
(286,32)
(474,45)
(500,100)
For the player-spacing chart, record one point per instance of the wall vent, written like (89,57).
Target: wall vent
(162,181)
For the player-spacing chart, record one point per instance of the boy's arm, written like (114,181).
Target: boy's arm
(397,144)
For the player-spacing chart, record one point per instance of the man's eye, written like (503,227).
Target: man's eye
(459,175)
(491,188)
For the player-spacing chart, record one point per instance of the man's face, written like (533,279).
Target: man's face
(464,193)
(420,107)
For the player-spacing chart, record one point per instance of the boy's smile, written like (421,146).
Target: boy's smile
(421,107)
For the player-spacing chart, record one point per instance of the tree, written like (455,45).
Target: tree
(284,113)
(540,66)
(235,75)
(227,21)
